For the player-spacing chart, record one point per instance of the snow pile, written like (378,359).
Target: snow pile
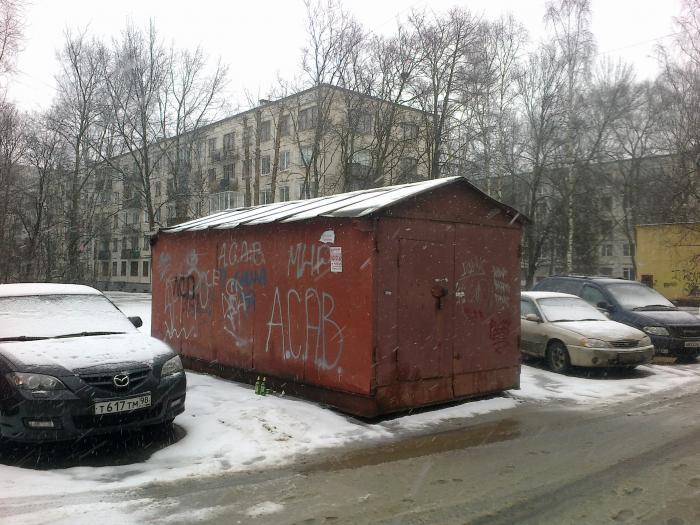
(594,386)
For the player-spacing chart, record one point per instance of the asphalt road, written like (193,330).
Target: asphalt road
(626,463)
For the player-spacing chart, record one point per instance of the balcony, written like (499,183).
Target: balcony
(228,185)
(131,253)
(104,255)
(132,202)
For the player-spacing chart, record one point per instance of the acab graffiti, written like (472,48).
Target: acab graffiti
(312,310)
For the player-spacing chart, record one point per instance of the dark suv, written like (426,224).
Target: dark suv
(674,332)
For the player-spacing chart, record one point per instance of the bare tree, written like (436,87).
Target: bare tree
(445,45)
(11,33)
(570,21)
(540,91)
(77,111)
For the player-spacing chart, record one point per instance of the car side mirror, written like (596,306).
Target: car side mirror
(136,321)
(602,305)
(533,317)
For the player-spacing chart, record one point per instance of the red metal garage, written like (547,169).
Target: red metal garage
(372,301)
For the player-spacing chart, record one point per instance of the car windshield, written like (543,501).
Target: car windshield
(39,316)
(569,309)
(637,296)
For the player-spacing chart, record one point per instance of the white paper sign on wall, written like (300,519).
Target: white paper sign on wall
(328,237)
(336,259)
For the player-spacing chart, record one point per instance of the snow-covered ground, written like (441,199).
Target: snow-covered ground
(229,428)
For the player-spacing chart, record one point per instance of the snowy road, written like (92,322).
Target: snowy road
(229,437)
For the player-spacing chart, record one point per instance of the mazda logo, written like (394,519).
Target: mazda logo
(121,380)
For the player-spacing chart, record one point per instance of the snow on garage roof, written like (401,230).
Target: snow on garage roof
(353,204)
(25,289)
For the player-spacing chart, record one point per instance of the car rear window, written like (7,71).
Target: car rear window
(54,315)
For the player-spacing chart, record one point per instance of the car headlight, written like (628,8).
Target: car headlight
(171,366)
(594,343)
(35,382)
(645,341)
(655,330)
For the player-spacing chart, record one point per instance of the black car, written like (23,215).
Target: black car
(674,332)
(72,365)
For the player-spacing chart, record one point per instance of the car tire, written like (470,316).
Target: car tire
(558,359)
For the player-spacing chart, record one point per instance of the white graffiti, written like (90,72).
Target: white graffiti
(501,288)
(323,337)
(234,310)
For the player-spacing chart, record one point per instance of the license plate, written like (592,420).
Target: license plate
(123,405)
(692,344)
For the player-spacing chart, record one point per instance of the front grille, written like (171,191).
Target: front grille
(106,381)
(624,343)
(110,420)
(689,331)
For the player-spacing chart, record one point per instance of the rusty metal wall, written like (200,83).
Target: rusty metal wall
(447,301)
(268,299)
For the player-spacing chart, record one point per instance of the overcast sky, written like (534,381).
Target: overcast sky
(262,39)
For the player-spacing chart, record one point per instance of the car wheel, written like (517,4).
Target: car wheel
(558,357)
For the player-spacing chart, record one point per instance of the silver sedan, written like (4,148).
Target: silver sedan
(567,331)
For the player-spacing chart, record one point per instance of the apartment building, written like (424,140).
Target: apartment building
(317,142)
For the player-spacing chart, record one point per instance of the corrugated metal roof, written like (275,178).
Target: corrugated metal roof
(353,204)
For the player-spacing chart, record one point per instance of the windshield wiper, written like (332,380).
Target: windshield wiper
(561,321)
(22,338)
(655,307)
(85,334)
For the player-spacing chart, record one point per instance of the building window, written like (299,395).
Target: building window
(361,157)
(156,216)
(361,121)
(284,193)
(115,245)
(304,191)
(171,212)
(211,146)
(265,196)
(116,222)
(605,271)
(124,268)
(409,131)
(229,172)
(628,250)
(211,175)
(306,155)
(225,200)
(265,131)
(284,125)
(247,132)
(229,144)
(606,250)
(265,165)
(114,268)
(408,169)
(124,241)
(104,269)
(145,269)
(628,273)
(285,160)
(146,242)
(308,118)
(134,269)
